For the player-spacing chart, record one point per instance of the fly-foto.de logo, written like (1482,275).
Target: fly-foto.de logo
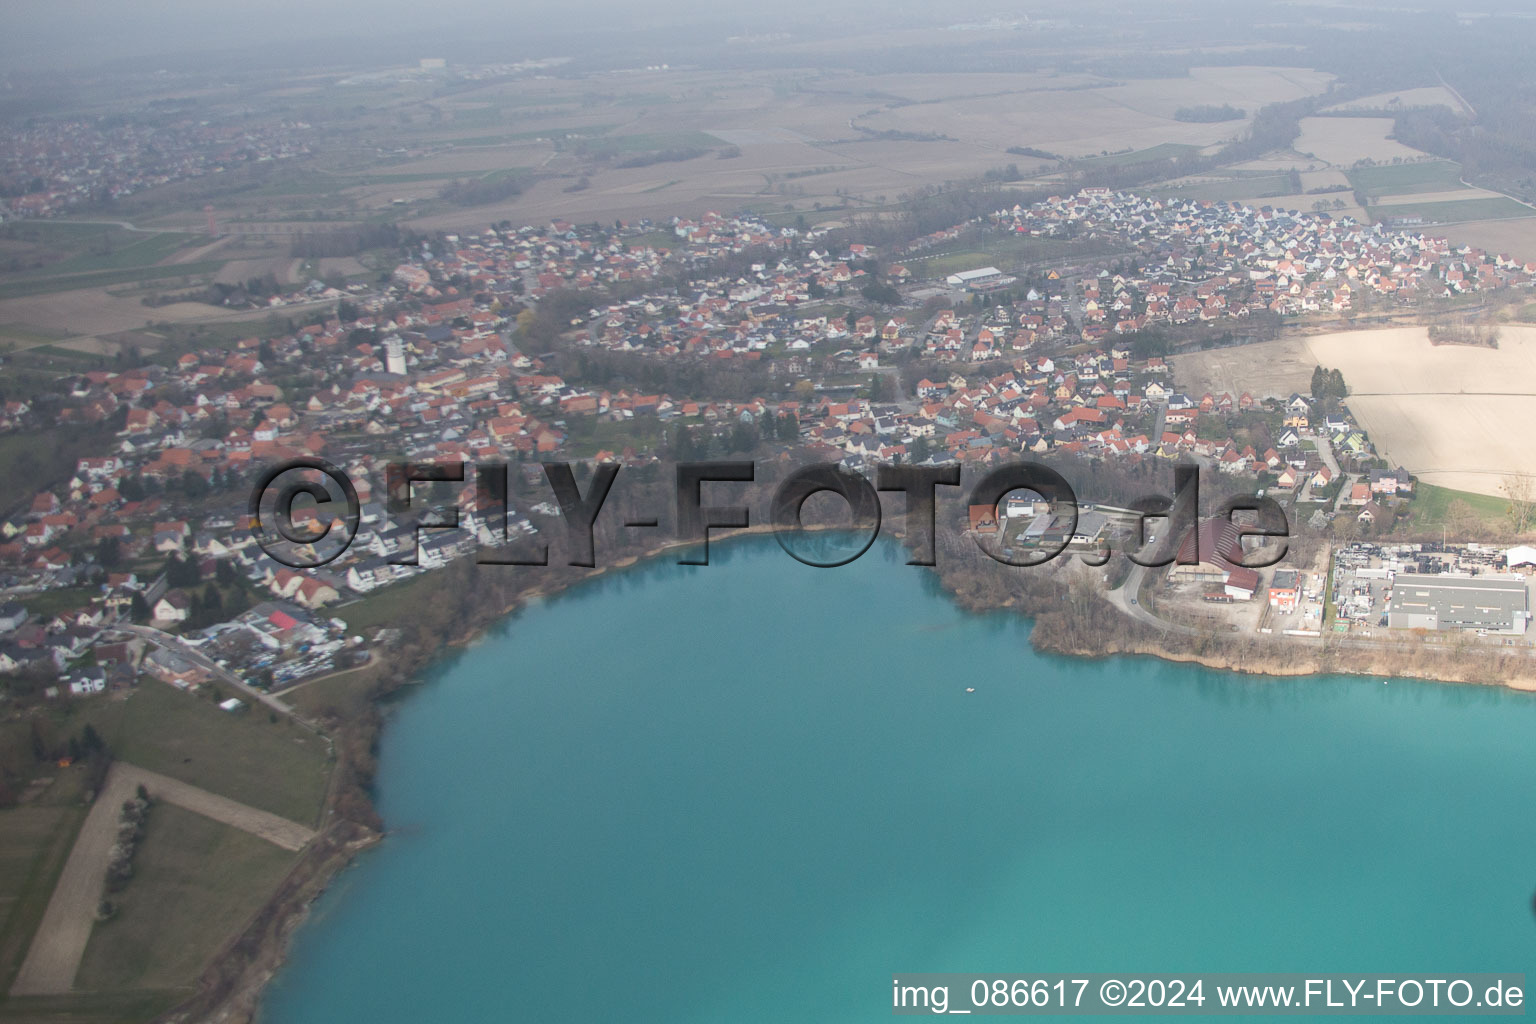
(314,533)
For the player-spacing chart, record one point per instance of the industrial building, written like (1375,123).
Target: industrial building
(1495,604)
(1285,590)
(979,280)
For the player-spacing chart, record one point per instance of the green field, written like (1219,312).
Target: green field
(1233,189)
(1496,208)
(591,131)
(1432,505)
(1165,151)
(48,603)
(136,250)
(656,240)
(1406,179)
(391,605)
(590,435)
(34,843)
(275,766)
(31,250)
(89,1007)
(32,461)
(195,882)
(345,692)
(657,140)
(15,289)
(26,334)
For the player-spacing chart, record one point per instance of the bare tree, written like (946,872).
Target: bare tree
(1460,520)
(1521,492)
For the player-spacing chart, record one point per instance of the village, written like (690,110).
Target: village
(847,354)
(67,164)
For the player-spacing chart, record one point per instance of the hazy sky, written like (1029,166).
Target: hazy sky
(68,34)
(74,32)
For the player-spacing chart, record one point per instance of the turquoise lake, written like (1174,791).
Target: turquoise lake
(754,790)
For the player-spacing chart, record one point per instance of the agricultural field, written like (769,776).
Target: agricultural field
(1455,195)
(1079,122)
(77,247)
(1403,99)
(1515,237)
(606,146)
(1406,178)
(1164,151)
(98,312)
(1335,204)
(195,882)
(1436,508)
(1251,190)
(1344,141)
(760,132)
(175,275)
(1454,415)
(272,766)
(1266,369)
(21,336)
(35,840)
(114,249)
(1489,207)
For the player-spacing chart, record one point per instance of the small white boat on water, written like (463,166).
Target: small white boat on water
(970,689)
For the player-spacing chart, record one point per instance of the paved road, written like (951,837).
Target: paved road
(1325,451)
(59,943)
(1122,597)
(1342,498)
(1159,424)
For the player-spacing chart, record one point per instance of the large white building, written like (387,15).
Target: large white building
(980,279)
(1495,604)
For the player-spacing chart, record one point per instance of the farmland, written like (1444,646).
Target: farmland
(1406,179)
(272,766)
(61,248)
(1436,508)
(1003,251)
(600,146)
(1446,413)
(1344,141)
(1516,237)
(1488,208)
(1164,151)
(1268,369)
(869,129)
(34,842)
(1255,188)
(195,881)
(1402,99)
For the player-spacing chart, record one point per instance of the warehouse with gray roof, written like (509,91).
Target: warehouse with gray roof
(1497,604)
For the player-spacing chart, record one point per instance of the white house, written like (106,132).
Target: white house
(173,607)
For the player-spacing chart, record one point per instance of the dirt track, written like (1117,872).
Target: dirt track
(51,962)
